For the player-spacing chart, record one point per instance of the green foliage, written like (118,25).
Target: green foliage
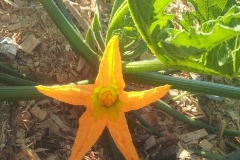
(187,21)
(208,9)
(211,48)
(97,32)
(121,24)
(149,18)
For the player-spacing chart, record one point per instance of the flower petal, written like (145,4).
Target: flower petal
(110,69)
(72,94)
(122,138)
(136,100)
(87,134)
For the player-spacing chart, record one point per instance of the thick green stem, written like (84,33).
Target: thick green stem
(193,86)
(97,32)
(129,45)
(15,81)
(89,39)
(72,36)
(13,72)
(145,123)
(116,6)
(207,154)
(121,9)
(65,13)
(142,47)
(155,79)
(115,151)
(138,124)
(142,66)
(20,93)
(27,92)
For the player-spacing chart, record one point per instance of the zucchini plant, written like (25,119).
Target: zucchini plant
(207,43)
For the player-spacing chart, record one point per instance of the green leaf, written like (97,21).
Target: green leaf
(203,41)
(223,53)
(98,13)
(224,57)
(149,18)
(64,11)
(97,32)
(123,26)
(141,48)
(229,5)
(115,8)
(214,44)
(208,9)
(184,44)
(89,39)
(187,21)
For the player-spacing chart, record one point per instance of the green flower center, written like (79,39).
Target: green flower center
(107,96)
(106,103)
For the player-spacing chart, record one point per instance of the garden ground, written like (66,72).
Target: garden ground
(45,129)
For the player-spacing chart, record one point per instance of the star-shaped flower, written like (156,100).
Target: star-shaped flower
(106,103)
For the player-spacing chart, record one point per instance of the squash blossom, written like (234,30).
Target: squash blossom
(106,103)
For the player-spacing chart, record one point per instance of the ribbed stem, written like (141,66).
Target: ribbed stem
(27,92)
(72,36)
(142,66)
(64,11)
(193,86)
(142,47)
(15,81)
(145,123)
(13,72)
(20,93)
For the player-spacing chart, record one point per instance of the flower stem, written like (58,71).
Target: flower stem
(145,123)
(115,151)
(138,124)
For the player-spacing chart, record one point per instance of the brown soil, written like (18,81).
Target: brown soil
(46,129)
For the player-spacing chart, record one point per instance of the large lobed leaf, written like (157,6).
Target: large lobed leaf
(208,9)
(202,39)
(149,18)
(215,41)
(205,49)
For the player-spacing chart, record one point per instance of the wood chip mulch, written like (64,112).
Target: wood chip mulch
(46,129)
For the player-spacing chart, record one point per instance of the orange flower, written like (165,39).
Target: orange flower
(106,104)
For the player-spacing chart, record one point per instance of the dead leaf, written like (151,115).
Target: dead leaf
(37,112)
(207,146)
(150,142)
(193,135)
(57,120)
(182,153)
(151,118)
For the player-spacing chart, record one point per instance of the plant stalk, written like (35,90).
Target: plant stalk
(72,36)
(193,86)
